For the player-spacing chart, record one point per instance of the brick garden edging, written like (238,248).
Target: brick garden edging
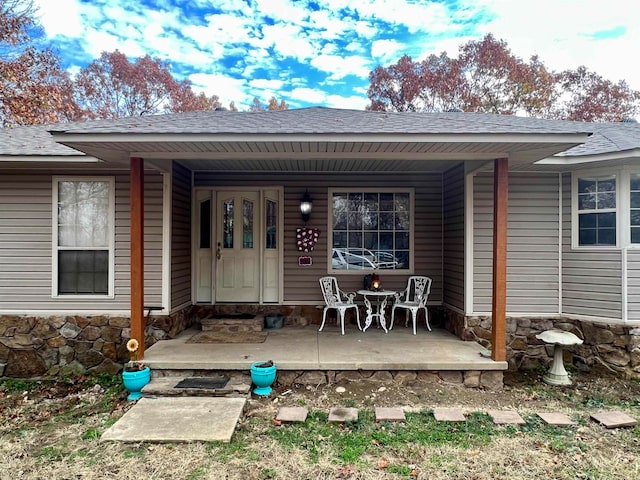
(614,347)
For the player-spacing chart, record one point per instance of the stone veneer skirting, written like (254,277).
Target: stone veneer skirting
(32,346)
(613,347)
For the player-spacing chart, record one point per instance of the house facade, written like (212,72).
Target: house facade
(140,227)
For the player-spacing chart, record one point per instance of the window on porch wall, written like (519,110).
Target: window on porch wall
(597,211)
(371,229)
(83,237)
(634,210)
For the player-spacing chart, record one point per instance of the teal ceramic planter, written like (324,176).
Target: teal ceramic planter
(262,377)
(135,381)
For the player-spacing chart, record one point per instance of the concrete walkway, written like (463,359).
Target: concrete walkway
(208,419)
(178,419)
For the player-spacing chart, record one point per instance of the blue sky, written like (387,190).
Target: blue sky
(320,52)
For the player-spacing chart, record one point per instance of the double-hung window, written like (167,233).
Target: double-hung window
(83,237)
(371,229)
(634,208)
(596,210)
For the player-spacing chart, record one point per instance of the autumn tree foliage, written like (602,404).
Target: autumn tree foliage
(272,105)
(33,87)
(114,87)
(487,77)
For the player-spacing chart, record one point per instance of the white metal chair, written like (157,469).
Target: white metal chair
(336,299)
(413,298)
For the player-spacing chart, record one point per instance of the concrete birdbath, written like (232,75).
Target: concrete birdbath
(557,375)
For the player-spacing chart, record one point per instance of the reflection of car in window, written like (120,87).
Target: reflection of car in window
(343,259)
(386,260)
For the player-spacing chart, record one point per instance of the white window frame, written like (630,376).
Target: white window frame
(623,206)
(111,236)
(412,253)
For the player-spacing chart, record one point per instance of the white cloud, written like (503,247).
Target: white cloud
(264,84)
(287,41)
(385,50)
(49,14)
(226,88)
(338,67)
(352,102)
(308,95)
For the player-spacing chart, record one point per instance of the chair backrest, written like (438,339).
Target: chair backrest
(330,291)
(418,289)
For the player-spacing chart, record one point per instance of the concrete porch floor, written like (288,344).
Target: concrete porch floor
(304,348)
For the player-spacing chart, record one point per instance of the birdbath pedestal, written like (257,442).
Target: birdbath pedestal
(557,375)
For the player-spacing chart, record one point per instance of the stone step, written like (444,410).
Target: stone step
(166,386)
(232,324)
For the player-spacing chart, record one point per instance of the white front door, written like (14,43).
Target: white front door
(238,243)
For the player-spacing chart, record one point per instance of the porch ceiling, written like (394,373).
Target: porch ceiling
(298,155)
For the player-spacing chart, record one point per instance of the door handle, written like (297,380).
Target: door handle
(219,252)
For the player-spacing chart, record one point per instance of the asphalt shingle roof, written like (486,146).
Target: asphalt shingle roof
(31,140)
(606,138)
(319,120)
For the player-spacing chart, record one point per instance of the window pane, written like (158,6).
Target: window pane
(635,217)
(635,182)
(635,199)
(607,236)
(402,221)
(607,185)
(606,220)
(355,221)
(606,200)
(247,224)
(340,239)
(587,220)
(586,185)
(587,237)
(586,201)
(386,221)
(83,214)
(402,202)
(272,224)
(83,272)
(227,224)
(205,224)
(402,240)
(635,234)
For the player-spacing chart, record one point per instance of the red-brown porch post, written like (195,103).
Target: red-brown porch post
(499,300)
(137,252)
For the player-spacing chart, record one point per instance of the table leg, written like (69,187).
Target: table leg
(369,317)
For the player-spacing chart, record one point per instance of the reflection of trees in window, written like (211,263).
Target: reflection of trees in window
(247,224)
(83,214)
(227,224)
(372,225)
(271,215)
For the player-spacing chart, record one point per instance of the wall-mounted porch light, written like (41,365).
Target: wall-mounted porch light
(305,206)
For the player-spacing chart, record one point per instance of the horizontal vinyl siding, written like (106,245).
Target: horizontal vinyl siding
(591,280)
(453,237)
(532,244)
(301,283)
(26,244)
(633,285)
(181,237)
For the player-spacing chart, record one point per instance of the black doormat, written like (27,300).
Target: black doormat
(208,383)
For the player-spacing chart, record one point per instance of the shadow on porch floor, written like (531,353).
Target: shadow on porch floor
(304,348)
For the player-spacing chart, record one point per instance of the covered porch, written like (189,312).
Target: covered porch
(303,349)
(277,158)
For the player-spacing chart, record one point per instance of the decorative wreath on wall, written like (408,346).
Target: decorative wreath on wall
(306,238)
